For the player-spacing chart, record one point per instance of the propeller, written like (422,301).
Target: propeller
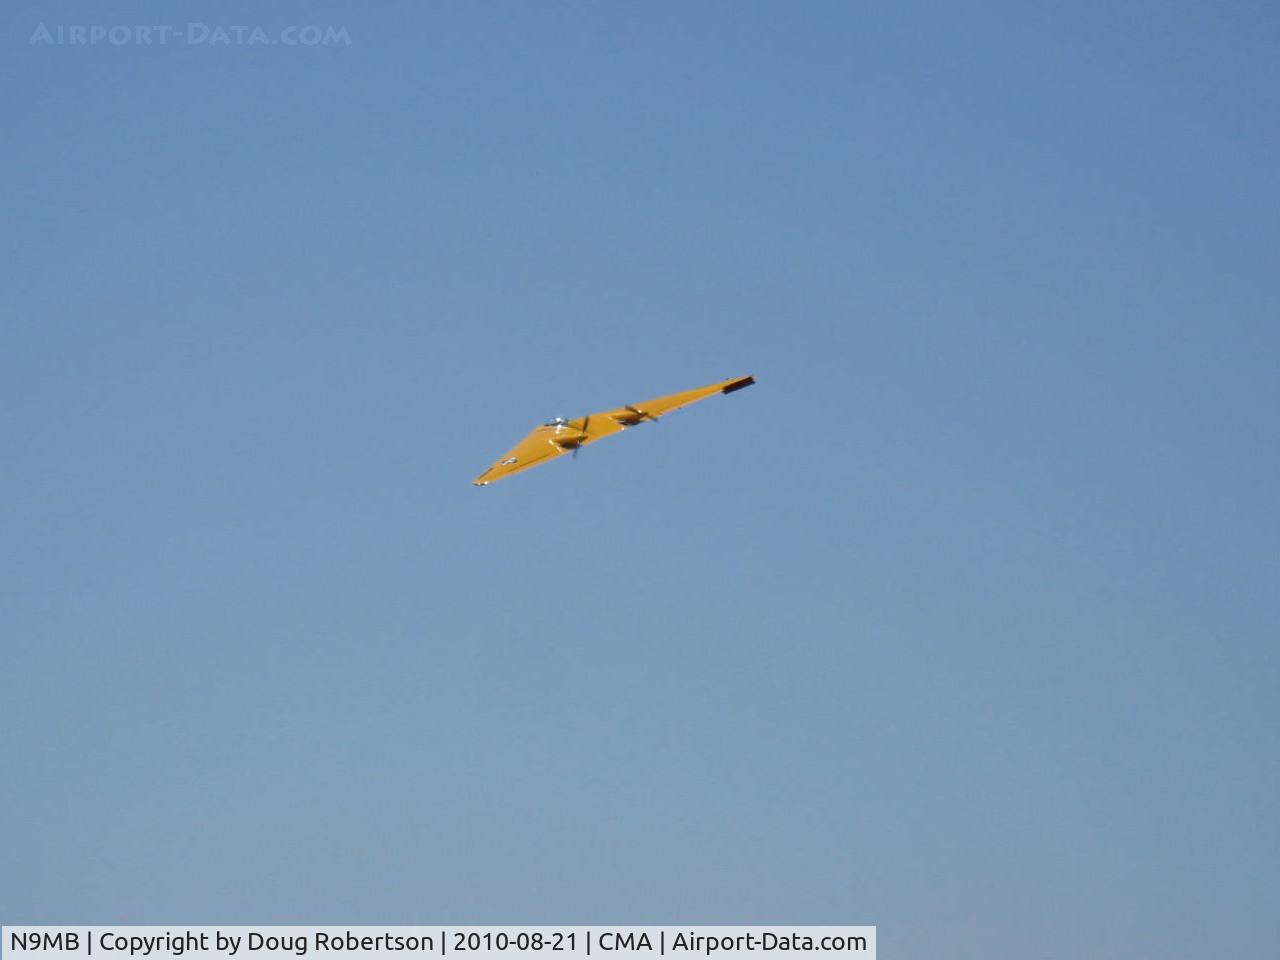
(582,438)
(642,415)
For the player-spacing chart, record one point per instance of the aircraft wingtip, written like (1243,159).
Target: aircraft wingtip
(738,384)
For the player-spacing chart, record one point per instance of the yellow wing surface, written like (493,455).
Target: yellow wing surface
(558,437)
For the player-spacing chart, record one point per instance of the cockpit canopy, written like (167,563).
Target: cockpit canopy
(555,422)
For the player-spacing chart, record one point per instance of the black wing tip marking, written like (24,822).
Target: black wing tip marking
(738,385)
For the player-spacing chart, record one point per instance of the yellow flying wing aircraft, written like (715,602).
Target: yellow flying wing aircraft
(561,436)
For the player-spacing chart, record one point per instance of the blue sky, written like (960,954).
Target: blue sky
(961,622)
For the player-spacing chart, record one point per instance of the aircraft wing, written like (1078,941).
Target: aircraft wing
(538,447)
(555,439)
(651,409)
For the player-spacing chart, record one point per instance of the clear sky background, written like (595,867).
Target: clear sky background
(962,622)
